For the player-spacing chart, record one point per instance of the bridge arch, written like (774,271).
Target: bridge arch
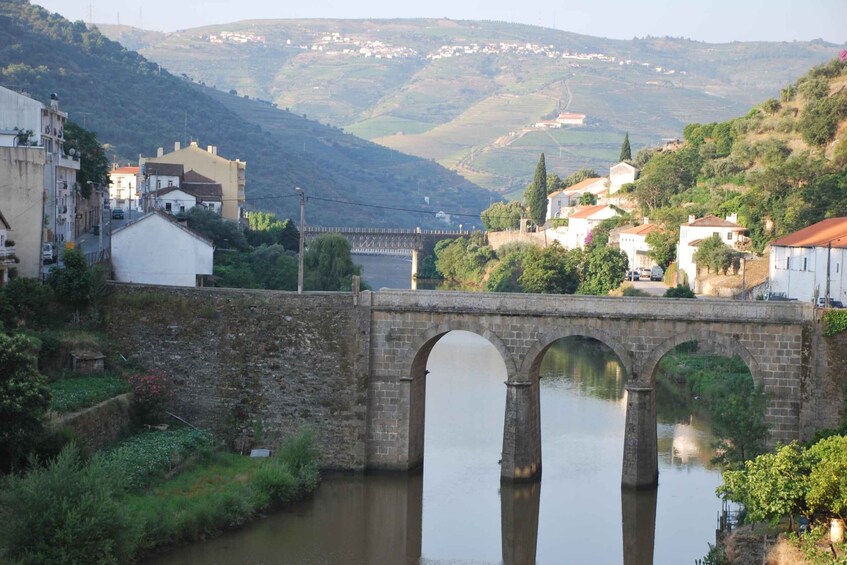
(529,371)
(414,373)
(720,343)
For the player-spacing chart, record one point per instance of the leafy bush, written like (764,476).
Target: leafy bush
(153,394)
(66,512)
(71,394)
(142,457)
(680,291)
(834,322)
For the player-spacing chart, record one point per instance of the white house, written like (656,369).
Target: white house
(156,249)
(798,262)
(698,229)
(584,220)
(560,202)
(571,119)
(621,174)
(633,242)
(172,200)
(123,188)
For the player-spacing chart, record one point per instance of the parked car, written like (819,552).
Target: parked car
(633,276)
(657,273)
(117,214)
(48,253)
(832,303)
(644,273)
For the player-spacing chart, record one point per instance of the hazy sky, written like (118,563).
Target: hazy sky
(702,20)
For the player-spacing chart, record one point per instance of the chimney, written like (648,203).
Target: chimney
(160,152)
(646,220)
(732,218)
(212,149)
(691,218)
(176,145)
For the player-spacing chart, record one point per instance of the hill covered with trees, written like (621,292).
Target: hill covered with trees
(135,106)
(467,93)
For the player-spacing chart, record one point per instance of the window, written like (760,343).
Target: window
(170,182)
(168,207)
(805,262)
(788,262)
(182,209)
(729,236)
(158,183)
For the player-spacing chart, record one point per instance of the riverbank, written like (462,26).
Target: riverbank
(146,494)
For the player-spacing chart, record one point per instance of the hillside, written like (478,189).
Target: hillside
(464,93)
(781,167)
(135,106)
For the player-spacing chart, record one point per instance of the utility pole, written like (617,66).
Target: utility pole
(302,238)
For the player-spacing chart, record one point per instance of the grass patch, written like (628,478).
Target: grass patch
(224,490)
(75,393)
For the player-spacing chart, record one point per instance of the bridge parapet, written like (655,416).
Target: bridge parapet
(633,308)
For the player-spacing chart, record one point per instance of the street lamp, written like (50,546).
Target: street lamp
(302,238)
(96,188)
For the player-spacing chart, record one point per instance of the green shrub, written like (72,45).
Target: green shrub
(87,390)
(274,483)
(142,457)
(680,291)
(66,512)
(834,322)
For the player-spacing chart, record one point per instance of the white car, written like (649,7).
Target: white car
(48,253)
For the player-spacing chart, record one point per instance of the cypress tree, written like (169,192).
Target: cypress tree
(626,150)
(535,196)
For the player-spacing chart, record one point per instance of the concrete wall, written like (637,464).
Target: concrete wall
(243,359)
(22,203)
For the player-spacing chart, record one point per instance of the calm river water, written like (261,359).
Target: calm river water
(457,512)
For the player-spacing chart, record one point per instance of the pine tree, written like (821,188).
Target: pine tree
(535,196)
(626,150)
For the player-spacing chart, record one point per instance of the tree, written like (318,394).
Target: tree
(93,164)
(771,106)
(714,254)
(579,176)
(464,259)
(506,275)
(552,270)
(535,196)
(738,417)
(665,175)
(328,264)
(264,228)
(604,269)
(274,267)
(223,233)
(626,150)
(502,216)
(662,246)
(24,398)
(72,282)
(587,199)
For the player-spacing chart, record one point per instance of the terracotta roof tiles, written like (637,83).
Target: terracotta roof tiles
(830,231)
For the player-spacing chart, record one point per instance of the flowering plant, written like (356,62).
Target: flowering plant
(153,395)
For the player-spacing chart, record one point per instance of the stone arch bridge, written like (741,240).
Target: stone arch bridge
(772,339)
(354,366)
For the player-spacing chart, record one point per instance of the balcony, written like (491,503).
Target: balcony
(8,255)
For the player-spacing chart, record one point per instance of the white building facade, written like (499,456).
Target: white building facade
(698,229)
(123,188)
(583,221)
(633,242)
(809,263)
(155,249)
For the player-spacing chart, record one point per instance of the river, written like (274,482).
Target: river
(457,512)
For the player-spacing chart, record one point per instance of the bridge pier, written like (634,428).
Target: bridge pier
(640,449)
(521,459)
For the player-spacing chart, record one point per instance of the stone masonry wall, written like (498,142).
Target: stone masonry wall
(254,362)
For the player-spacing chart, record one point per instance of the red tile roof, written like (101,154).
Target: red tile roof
(830,231)
(714,222)
(643,229)
(582,184)
(126,171)
(588,211)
